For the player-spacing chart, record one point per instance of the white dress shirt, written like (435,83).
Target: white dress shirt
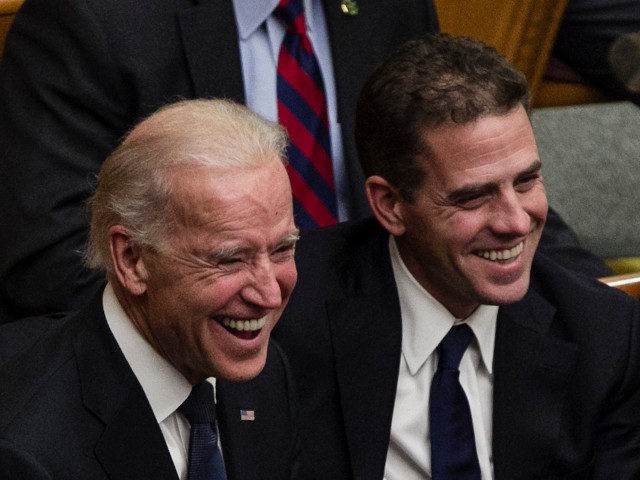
(260,37)
(425,322)
(165,387)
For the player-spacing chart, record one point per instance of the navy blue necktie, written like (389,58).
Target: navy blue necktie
(453,446)
(302,110)
(205,458)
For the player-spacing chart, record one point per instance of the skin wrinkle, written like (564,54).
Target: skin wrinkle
(442,238)
(186,295)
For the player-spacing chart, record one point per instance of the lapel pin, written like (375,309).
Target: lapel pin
(247,415)
(349,7)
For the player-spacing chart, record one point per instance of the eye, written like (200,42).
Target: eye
(471,201)
(526,183)
(284,252)
(229,261)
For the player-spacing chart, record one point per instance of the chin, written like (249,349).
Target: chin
(241,370)
(507,294)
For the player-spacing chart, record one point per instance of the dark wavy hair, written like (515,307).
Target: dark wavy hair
(423,84)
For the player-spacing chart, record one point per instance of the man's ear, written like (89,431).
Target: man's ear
(386,204)
(128,265)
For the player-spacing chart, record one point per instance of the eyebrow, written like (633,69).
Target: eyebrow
(229,252)
(481,188)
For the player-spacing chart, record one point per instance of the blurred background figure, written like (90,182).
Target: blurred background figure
(77,74)
(600,40)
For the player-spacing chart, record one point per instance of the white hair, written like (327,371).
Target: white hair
(135,182)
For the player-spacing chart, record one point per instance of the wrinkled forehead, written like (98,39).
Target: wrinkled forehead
(216,198)
(496,139)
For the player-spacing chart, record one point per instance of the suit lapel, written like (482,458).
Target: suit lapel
(257,423)
(210,41)
(358,44)
(531,372)
(366,335)
(132,445)
(354,54)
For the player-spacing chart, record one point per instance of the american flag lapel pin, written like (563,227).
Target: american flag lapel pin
(247,415)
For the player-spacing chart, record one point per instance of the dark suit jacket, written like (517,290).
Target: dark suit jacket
(71,408)
(77,74)
(566,366)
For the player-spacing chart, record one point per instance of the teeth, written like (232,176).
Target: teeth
(244,325)
(502,254)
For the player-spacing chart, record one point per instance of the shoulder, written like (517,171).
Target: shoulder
(602,321)
(567,289)
(330,250)
(16,463)
(41,397)
(18,336)
(32,367)
(42,372)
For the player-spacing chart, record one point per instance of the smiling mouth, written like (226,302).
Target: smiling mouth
(501,255)
(244,329)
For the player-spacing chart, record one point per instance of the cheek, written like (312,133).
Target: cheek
(287,276)
(537,205)
(216,295)
(463,229)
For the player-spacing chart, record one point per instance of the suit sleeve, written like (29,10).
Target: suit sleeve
(61,104)
(617,448)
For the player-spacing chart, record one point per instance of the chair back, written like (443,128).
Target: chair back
(523,31)
(591,168)
(8,10)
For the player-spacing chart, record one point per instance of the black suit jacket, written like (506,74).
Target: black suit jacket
(566,366)
(71,408)
(77,74)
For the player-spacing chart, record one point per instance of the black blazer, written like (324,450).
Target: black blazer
(77,74)
(71,408)
(566,366)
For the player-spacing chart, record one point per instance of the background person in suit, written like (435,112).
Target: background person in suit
(77,74)
(552,373)
(192,221)
(600,40)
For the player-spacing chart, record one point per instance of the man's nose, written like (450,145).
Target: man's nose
(510,216)
(264,290)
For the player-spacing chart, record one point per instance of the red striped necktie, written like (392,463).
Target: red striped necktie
(302,110)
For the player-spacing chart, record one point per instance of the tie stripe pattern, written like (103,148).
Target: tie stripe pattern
(302,110)
(205,458)
(453,447)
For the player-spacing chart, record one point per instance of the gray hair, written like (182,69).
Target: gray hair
(135,182)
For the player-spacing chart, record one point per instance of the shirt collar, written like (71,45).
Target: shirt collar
(252,15)
(425,321)
(164,386)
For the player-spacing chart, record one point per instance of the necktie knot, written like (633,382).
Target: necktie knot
(453,346)
(199,407)
(291,12)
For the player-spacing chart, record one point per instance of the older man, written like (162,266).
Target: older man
(192,221)
(434,341)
